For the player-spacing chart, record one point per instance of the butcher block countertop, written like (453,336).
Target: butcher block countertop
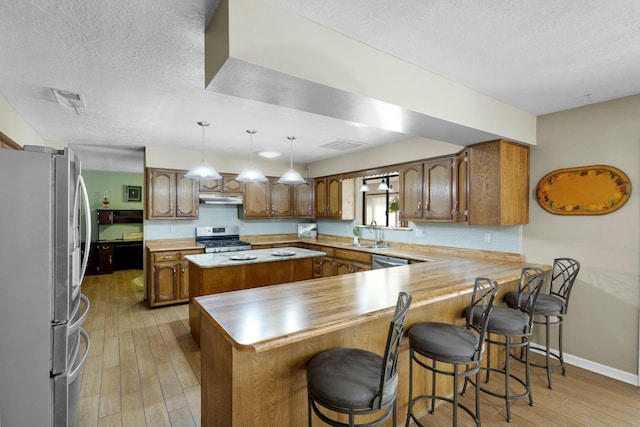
(261,319)
(225,259)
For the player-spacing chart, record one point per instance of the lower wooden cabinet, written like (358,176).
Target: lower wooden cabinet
(105,258)
(347,261)
(168,277)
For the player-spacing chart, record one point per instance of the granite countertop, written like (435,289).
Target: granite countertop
(225,259)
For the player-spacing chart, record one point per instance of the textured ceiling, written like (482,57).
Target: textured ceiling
(139,65)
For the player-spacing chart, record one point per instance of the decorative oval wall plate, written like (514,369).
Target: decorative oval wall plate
(587,190)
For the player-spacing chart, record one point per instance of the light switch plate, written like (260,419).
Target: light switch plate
(487,237)
(421,232)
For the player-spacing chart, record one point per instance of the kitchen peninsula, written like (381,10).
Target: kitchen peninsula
(255,342)
(214,273)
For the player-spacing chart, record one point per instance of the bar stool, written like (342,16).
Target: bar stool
(511,323)
(357,382)
(553,307)
(451,345)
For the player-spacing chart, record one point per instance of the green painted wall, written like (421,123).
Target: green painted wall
(100,183)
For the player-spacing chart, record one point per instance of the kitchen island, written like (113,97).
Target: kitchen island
(255,343)
(214,273)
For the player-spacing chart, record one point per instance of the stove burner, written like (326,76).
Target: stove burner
(221,239)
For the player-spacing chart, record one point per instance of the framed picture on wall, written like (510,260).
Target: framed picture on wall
(132,193)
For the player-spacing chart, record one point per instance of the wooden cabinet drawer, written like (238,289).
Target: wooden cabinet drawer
(329,251)
(165,256)
(353,255)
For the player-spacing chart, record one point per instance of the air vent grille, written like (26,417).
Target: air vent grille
(342,145)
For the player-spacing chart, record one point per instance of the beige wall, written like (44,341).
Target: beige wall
(602,323)
(12,125)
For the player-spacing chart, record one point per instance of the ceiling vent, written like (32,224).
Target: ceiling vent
(71,100)
(343,145)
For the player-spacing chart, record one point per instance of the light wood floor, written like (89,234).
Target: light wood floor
(144,370)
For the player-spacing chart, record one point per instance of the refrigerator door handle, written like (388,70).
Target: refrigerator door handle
(87,215)
(84,315)
(78,369)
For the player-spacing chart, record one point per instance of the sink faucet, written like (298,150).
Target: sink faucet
(374,227)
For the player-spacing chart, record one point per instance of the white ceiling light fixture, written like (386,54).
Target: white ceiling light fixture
(251,174)
(291,176)
(203,170)
(270,154)
(383,186)
(364,188)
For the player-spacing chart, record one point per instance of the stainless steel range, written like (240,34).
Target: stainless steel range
(221,239)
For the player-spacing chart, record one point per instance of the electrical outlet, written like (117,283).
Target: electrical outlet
(173,229)
(487,237)
(421,233)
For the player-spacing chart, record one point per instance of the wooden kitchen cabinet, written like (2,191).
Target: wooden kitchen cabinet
(171,195)
(323,266)
(461,186)
(105,258)
(328,197)
(347,261)
(168,278)
(303,199)
(498,190)
(227,184)
(438,189)
(267,200)
(427,190)
(280,199)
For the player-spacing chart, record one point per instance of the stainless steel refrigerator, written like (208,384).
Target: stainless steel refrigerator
(44,218)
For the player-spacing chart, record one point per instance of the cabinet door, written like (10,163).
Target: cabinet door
(280,199)
(320,193)
(323,267)
(460,187)
(412,190)
(105,217)
(186,197)
(183,288)
(210,185)
(334,197)
(105,258)
(438,195)
(231,186)
(165,283)
(161,194)
(303,200)
(256,200)
(348,189)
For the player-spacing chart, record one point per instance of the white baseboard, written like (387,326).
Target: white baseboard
(598,368)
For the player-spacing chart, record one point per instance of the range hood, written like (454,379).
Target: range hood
(220,199)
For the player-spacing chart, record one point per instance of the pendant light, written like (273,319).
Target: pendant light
(291,176)
(383,186)
(364,187)
(203,170)
(251,174)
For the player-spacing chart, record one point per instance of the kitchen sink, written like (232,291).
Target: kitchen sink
(366,245)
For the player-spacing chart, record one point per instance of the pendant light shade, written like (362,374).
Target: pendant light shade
(383,186)
(364,188)
(203,170)
(291,176)
(251,173)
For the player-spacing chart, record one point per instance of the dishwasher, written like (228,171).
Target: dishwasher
(381,261)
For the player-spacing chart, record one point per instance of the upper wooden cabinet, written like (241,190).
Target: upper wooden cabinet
(227,184)
(498,183)
(427,190)
(483,184)
(170,195)
(438,189)
(303,199)
(268,199)
(328,197)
